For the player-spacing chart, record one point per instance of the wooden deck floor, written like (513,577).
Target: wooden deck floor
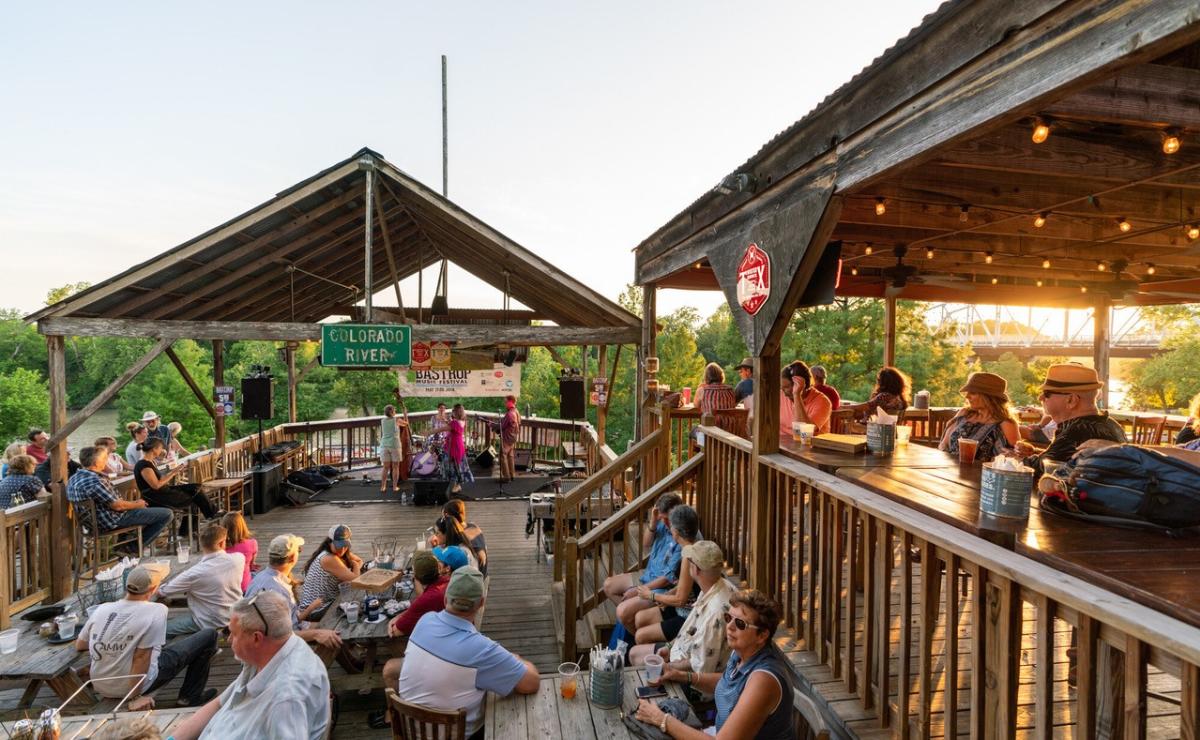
(517,615)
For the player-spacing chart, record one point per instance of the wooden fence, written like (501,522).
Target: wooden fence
(25,544)
(934,629)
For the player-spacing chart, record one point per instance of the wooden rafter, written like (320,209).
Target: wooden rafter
(191,383)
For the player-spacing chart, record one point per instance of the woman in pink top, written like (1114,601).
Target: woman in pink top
(456,449)
(239,538)
(800,401)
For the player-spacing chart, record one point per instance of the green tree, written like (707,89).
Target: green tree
(20,344)
(24,403)
(719,341)
(161,389)
(1022,381)
(54,295)
(1168,381)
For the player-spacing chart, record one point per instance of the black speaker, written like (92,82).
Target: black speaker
(257,398)
(486,459)
(570,399)
(430,492)
(265,483)
(522,458)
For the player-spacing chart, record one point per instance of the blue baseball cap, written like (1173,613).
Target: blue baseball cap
(454,557)
(339,534)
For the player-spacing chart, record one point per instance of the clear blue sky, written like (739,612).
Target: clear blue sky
(127,128)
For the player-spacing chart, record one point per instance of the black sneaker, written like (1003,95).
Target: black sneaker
(205,697)
(378,720)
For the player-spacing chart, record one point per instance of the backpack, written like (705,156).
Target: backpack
(1131,486)
(309,478)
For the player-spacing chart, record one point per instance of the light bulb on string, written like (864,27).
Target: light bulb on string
(995,280)
(987,257)
(1041,130)
(880,206)
(929,253)
(1082,288)
(868,250)
(1124,225)
(853,270)
(1101,266)
(1193,231)
(1171,141)
(1045,264)
(1039,283)
(1040,220)
(1150,269)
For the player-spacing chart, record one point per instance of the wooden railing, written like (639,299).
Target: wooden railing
(25,545)
(899,606)
(614,546)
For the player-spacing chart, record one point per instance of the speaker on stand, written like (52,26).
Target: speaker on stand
(258,405)
(571,405)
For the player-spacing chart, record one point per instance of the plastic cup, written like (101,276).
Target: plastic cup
(570,679)
(352,612)
(903,434)
(966,450)
(66,625)
(183,553)
(654,664)
(797,435)
(420,543)
(686,395)
(8,641)
(806,432)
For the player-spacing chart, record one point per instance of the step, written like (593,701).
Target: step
(584,640)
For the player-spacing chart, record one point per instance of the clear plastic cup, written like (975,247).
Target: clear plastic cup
(654,666)
(183,553)
(903,434)
(806,432)
(352,612)
(966,450)
(66,625)
(8,641)
(570,679)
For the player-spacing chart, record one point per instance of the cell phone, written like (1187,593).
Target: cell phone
(650,692)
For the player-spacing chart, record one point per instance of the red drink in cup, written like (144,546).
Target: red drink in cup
(966,450)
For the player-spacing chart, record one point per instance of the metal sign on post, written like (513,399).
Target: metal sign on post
(223,400)
(366,345)
(753,279)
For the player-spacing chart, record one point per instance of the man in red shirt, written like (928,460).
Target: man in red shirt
(37,445)
(818,374)
(429,582)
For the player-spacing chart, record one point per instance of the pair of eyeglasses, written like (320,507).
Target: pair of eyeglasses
(1047,394)
(741,624)
(258,611)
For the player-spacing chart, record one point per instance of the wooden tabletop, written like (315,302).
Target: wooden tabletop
(910,455)
(85,725)
(547,715)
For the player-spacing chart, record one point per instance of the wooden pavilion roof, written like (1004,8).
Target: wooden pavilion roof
(299,258)
(939,128)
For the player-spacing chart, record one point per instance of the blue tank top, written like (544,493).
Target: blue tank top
(778,724)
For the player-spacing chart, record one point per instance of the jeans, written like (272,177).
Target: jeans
(181,497)
(184,625)
(195,653)
(152,520)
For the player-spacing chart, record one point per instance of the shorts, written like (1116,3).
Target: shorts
(390,455)
(671,623)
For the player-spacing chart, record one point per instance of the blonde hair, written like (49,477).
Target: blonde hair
(133,427)
(1194,412)
(22,465)
(175,427)
(235,528)
(997,408)
(14,449)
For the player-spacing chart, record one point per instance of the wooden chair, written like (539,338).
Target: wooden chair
(839,421)
(938,419)
(225,493)
(1148,430)
(94,548)
(415,722)
(809,721)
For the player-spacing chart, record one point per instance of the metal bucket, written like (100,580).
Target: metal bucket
(605,688)
(881,438)
(1006,493)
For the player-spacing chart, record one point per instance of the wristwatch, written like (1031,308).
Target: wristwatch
(662,726)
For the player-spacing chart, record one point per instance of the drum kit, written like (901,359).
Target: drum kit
(429,461)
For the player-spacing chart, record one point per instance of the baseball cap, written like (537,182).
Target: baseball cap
(704,553)
(424,566)
(284,545)
(144,578)
(454,557)
(465,590)
(340,534)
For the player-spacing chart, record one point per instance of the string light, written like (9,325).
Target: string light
(1150,269)
(1124,225)
(1040,220)
(1039,283)
(853,270)
(1045,264)
(1082,288)
(1041,130)
(995,280)
(1171,141)
(1193,231)
(987,258)
(1101,266)
(962,214)
(868,250)
(929,253)
(880,207)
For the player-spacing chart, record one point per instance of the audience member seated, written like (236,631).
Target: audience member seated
(1041,433)
(452,557)
(986,418)
(112,511)
(211,585)
(700,645)
(429,583)
(801,401)
(754,692)
(282,556)
(454,529)
(239,538)
(116,465)
(44,470)
(283,689)
(449,665)
(745,386)
(662,621)
(130,637)
(137,433)
(1191,430)
(661,564)
(330,566)
(20,486)
(158,489)
(891,393)
(818,374)
(14,449)
(37,445)
(1069,397)
(713,395)
(155,428)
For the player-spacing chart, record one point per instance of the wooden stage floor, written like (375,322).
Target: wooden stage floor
(517,615)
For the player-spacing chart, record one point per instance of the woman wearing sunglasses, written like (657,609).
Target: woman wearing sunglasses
(754,693)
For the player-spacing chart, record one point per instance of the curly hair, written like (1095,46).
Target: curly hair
(768,609)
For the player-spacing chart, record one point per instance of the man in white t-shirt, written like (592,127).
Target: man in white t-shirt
(128,637)
(211,585)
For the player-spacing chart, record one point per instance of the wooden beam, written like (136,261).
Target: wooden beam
(889,331)
(218,347)
(764,441)
(1101,336)
(602,409)
(60,525)
(106,395)
(647,348)
(290,352)
(191,383)
(387,247)
(1152,95)
(481,335)
(314,362)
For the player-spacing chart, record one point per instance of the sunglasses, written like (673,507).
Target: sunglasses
(1047,394)
(258,611)
(741,624)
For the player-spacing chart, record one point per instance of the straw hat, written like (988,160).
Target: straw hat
(149,416)
(987,384)
(1071,377)
(747,363)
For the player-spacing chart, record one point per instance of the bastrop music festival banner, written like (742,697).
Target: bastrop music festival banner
(500,381)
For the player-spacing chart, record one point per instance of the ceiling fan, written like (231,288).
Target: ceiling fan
(899,275)
(1121,287)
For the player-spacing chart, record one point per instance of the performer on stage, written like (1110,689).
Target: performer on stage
(405,435)
(456,447)
(510,430)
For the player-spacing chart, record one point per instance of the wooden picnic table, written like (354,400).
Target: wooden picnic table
(547,714)
(910,455)
(86,725)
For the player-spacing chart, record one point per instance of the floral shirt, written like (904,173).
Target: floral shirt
(701,640)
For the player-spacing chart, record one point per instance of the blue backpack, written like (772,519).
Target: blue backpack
(1131,486)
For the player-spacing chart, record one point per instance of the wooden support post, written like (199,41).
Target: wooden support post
(765,438)
(602,408)
(1100,344)
(60,526)
(649,348)
(889,337)
(218,347)
(290,354)
(387,249)
(191,383)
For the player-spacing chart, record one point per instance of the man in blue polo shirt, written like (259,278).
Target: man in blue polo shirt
(449,665)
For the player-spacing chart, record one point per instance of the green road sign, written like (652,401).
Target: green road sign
(365,345)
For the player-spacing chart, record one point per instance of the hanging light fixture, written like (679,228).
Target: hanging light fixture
(995,280)
(1193,231)
(987,257)
(1040,220)
(880,206)
(1150,268)
(929,253)
(1101,266)
(868,250)
(853,270)
(1039,283)
(1124,225)
(1171,141)
(1041,130)
(1082,288)
(1045,264)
